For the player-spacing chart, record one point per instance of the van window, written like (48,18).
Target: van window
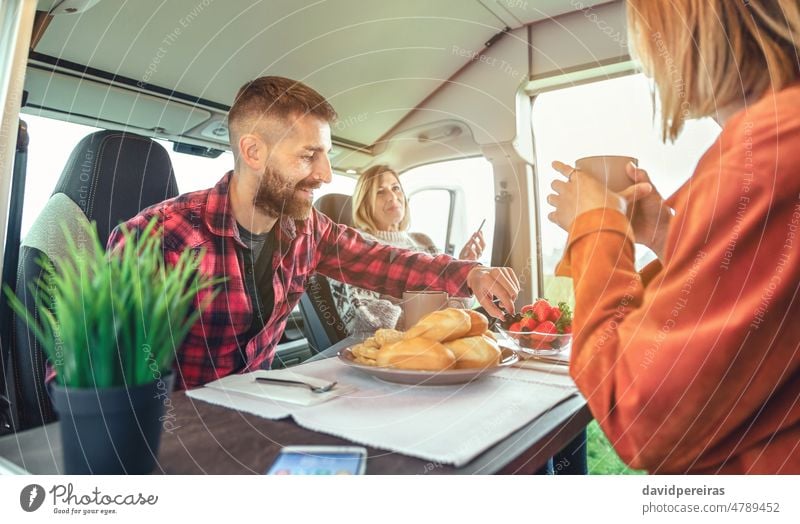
(436,205)
(51,143)
(607,117)
(193,172)
(340,184)
(470,183)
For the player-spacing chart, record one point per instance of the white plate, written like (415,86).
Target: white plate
(508,357)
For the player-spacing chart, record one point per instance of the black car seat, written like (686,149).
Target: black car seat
(109,177)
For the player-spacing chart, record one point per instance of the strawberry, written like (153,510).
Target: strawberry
(515,327)
(564,322)
(541,310)
(555,314)
(546,331)
(527,310)
(527,324)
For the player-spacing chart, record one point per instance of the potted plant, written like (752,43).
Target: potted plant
(110,326)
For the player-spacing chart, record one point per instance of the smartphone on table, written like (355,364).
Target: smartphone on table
(320,460)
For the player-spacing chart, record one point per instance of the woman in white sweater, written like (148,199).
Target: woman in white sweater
(380,213)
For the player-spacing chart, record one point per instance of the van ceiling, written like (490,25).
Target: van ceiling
(374,60)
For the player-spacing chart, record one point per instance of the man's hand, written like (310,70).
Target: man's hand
(490,282)
(650,215)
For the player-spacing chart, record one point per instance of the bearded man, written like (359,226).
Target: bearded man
(259,230)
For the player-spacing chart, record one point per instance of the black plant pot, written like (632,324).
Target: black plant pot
(111,431)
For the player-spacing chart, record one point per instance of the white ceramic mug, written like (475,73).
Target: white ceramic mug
(417,304)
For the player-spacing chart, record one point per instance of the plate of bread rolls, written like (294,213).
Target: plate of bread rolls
(450,346)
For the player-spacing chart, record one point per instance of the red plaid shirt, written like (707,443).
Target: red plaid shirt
(204,220)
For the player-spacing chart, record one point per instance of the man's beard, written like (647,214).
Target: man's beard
(276,197)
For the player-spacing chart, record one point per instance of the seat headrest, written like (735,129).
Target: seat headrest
(112,175)
(338,208)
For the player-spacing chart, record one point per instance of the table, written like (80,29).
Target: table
(210,439)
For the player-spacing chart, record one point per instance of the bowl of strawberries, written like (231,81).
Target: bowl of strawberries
(540,329)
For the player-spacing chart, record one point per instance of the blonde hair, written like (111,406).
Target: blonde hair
(364,199)
(708,54)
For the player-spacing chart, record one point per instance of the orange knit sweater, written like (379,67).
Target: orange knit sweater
(694,364)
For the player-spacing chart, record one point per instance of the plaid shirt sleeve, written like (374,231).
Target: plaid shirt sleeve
(116,241)
(194,363)
(346,256)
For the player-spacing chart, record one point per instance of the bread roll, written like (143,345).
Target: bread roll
(444,325)
(474,352)
(416,353)
(365,361)
(364,351)
(384,337)
(478,323)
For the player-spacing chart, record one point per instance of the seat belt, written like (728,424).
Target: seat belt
(10,263)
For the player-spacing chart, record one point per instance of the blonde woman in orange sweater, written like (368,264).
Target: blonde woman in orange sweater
(693,365)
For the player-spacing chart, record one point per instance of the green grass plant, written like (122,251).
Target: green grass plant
(118,319)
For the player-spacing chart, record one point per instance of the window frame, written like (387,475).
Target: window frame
(458,192)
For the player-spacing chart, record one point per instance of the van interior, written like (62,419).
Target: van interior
(469,100)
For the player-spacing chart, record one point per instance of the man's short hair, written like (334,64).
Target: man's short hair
(275,97)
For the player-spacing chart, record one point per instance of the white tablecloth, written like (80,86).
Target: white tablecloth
(442,424)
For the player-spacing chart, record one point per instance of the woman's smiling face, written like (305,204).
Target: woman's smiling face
(390,202)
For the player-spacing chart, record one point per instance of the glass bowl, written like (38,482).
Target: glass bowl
(538,344)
